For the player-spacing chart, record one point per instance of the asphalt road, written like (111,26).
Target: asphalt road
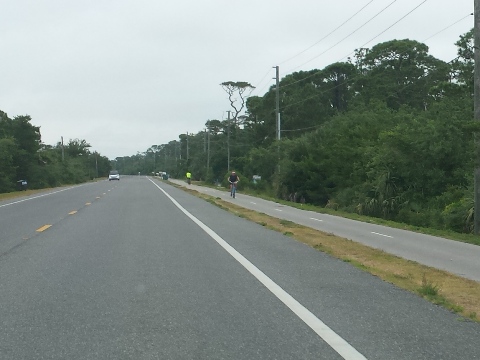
(453,256)
(138,269)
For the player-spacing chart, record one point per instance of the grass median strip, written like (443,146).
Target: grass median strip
(442,288)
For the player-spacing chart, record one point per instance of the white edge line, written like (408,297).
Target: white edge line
(36,197)
(342,347)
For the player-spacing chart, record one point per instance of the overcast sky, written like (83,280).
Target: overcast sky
(128,74)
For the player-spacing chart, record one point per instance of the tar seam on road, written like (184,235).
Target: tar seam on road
(336,342)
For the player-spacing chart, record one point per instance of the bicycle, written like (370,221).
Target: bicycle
(233,189)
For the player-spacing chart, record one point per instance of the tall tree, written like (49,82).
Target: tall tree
(463,65)
(237,95)
(400,72)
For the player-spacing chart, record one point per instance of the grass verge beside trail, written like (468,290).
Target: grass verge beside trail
(454,293)
(447,234)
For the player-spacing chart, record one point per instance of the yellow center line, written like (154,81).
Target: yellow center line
(72,212)
(43,228)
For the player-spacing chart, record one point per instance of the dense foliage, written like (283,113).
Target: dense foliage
(24,157)
(390,133)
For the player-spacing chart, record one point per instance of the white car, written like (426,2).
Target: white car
(114,175)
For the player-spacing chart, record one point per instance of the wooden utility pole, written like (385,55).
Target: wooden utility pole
(208,151)
(277,102)
(277,114)
(477,115)
(63,151)
(187,149)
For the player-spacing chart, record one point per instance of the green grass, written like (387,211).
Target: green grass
(428,288)
(288,223)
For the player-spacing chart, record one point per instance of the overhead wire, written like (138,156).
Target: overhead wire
(383,31)
(395,23)
(322,92)
(259,82)
(330,33)
(323,38)
(343,83)
(346,37)
(448,27)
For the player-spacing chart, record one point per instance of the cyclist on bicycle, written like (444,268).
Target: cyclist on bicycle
(233,179)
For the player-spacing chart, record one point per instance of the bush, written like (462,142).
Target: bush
(458,216)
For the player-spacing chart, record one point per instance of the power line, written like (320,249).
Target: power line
(263,78)
(448,27)
(346,37)
(354,78)
(312,97)
(330,33)
(396,22)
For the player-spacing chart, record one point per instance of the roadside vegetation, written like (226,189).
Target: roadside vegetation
(23,156)
(388,134)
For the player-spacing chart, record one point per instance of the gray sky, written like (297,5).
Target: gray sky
(128,74)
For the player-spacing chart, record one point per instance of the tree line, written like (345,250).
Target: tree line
(23,156)
(388,133)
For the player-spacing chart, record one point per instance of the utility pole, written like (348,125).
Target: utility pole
(208,152)
(175,152)
(63,151)
(277,102)
(477,115)
(205,141)
(277,113)
(187,148)
(228,141)
(96,165)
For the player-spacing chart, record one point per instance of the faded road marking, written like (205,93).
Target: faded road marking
(382,234)
(43,228)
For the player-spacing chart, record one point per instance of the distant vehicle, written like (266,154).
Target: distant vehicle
(114,175)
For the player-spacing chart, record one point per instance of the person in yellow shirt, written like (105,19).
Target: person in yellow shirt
(189,177)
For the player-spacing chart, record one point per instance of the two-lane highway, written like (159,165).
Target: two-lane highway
(147,271)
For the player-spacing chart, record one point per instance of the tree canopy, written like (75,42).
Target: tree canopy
(24,157)
(388,133)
